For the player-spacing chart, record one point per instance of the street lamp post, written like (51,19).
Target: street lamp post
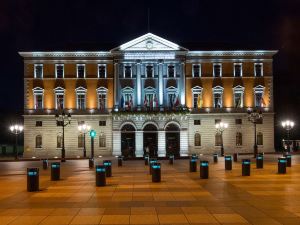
(63,120)
(254,117)
(220,129)
(84,129)
(93,135)
(16,129)
(288,125)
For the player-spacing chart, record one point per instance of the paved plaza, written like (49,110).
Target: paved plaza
(131,198)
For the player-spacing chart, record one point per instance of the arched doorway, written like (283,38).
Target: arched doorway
(128,141)
(150,139)
(172,139)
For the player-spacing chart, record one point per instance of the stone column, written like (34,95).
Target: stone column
(116,86)
(182,84)
(138,85)
(160,84)
(139,137)
(161,145)
(116,138)
(183,142)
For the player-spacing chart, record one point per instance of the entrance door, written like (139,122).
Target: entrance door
(173,140)
(150,140)
(128,141)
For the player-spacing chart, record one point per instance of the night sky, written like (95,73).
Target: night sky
(27,25)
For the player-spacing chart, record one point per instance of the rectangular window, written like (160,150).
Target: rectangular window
(258,69)
(171,99)
(149,71)
(217,121)
(239,139)
(80,101)
(217,100)
(238,121)
(80,123)
(218,139)
(217,70)
(38,70)
(102,123)
(171,71)
(258,99)
(237,70)
(59,123)
(102,101)
(38,101)
(80,141)
(59,101)
(195,100)
(238,99)
(80,71)
(127,72)
(59,141)
(102,141)
(197,122)
(150,100)
(38,123)
(102,71)
(59,71)
(196,70)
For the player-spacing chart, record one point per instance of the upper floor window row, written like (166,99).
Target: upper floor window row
(237,70)
(60,71)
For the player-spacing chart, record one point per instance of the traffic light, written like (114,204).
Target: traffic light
(93,133)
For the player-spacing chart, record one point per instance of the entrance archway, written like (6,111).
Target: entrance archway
(150,140)
(128,141)
(172,139)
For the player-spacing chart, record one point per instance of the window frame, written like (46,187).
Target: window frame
(238,64)
(80,91)
(171,64)
(216,64)
(259,89)
(80,135)
(199,136)
(238,90)
(219,135)
(59,91)
(124,69)
(197,90)
(36,65)
(102,91)
(103,137)
(37,91)
(218,90)
(152,65)
(105,68)
(193,72)
(84,70)
(262,139)
(41,144)
(63,75)
(58,136)
(239,135)
(261,69)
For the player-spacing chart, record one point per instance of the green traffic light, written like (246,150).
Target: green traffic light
(93,133)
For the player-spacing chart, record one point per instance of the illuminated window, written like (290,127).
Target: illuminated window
(258,69)
(59,97)
(38,141)
(149,71)
(150,99)
(80,71)
(127,71)
(102,141)
(80,141)
(59,141)
(197,97)
(217,70)
(238,72)
(172,97)
(38,94)
(102,98)
(171,71)
(38,70)
(101,70)
(59,70)
(258,96)
(218,139)
(239,139)
(218,96)
(81,98)
(238,96)
(260,138)
(127,101)
(196,70)
(197,139)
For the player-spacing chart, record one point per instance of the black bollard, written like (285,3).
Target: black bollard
(45,164)
(259,161)
(32,179)
(151,161)
(107,164)
(100,176)
(204,169)
(288,160)
(146,160)
(193,165)
(171,159)
(91,163)
(228,162)
(215,158)
(156,172)
(235,157)
(120,161)
(246,165)
(282,165)
(55,171)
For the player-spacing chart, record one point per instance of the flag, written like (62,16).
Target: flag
(151,101)
(199,101)
(176,102)
(130,102)
(145,101)
(171,100)
(155,101)
(238,103)
(122,101)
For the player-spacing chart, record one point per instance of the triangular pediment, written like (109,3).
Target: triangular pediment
(149,42)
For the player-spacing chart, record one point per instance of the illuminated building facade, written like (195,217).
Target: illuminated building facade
(148,94)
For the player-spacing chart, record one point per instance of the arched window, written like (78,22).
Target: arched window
(59,141)
(102,141)
(260,138)
(239,139)
(218,139)
(197,139)
(38,141)
(80,140)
